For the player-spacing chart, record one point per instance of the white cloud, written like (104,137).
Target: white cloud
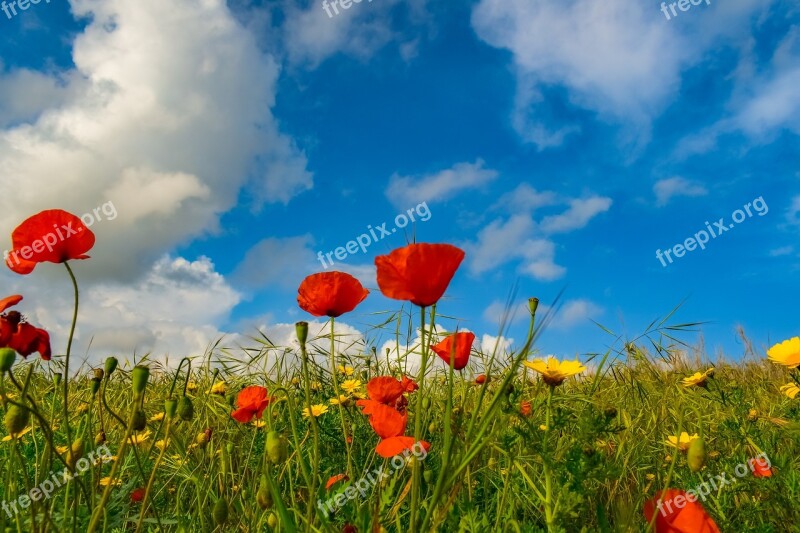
(526,198)
(580,212)
(669,188)
(573,313)
(793,212)
(782,251)
(490,343)
(407,191)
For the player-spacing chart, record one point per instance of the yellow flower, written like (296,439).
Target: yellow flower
(360,395)
(296,382)
(351,385)
(543,427)
(258,424)
(8,396)
(17,435)
(161,444)
(62,449)
(316,385)
(791,390)
(346,370)
(82,408)
(107,481)
(698,379)
(786,353)
(316,410)
(158,417)
(554,372)
(683,442)
(191,386)
(140,438)
(219,388)
(341,400)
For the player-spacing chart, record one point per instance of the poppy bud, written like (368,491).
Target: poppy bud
(202,439)
(96,385)
(75,452)
(229,448)
(427,475)
(432,427)
(57,379)
(98,374)
(139,420)
(264,496)
(7,358)
(426,403)
(272,520)
(220,512)
(696,456)
(301,328)
(100,438)
(140,376)
(481,379)
(276,447)
(533,304)
(185,409)
(111,365)
(16,419)
(491,463)
(170,407)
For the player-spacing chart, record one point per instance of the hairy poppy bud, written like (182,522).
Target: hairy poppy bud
(264,496)
(276,447)
(202,438)
(432,427)
(95,385)
(427,475)
(301,328)
(426,403)
(170,407)
(185,409)
(272,520)
(140,376)
(139,420)
(220,512)
(696,456)
(533,305)
(7,358)
(98,374)
(111,365)
(16,419)
(75,452)
(57,379)
(100,438)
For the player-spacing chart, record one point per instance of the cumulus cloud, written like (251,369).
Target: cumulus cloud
(573,313)
(580,212)
(667,189)
(406,191)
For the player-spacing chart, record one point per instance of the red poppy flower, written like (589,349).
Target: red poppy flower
(390,447)
(137,495)
(463,345)
(675,513)
(20,336)
(760,468)
(330,294)
(481,379)
(251,403)
(385,389)
(419,273)
(385,421)
(53,236)
(525,408)
(333,480)
(409,385)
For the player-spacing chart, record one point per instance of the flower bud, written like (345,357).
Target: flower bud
(202,439)
(432,427)
(696,456)
(95,385)
(7,358)
(57,379)
(170,407)
(16,419)
(185,409)
(140,376)
(75,452)
(426,403)
(301,328)
(264,496)
(220,512)
(427,475)
(272,520)
(100,438)
(139,420)
(276,447)
(98,374)
(533,305)
(111,365)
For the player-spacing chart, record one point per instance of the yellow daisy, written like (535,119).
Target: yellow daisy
(219,388)
(683,442)
(258,423)
(158,417)
(316,385)
(554,372)
(791,390)
(786,353)
(296,382)
(140,438)
(104,482)
(62,449)
(316,410)
(341,400)
(698,379)
(346,370)
(191,386)
(351,385)
(18,435)
(82,408)
(161,444)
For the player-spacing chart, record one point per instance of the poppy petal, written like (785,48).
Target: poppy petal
(459,345)
(53,236)
(419,273)
(393,446)
(243,415)
(330,294)
(9,301)
(387,421)
(334,480)
(385,389)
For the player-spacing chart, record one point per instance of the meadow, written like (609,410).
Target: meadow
(645,435)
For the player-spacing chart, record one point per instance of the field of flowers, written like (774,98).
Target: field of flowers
(639,438)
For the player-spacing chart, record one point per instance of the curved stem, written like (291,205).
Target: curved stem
(65,379)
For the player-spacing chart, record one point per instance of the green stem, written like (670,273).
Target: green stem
(334,373)
(65,379)
(548,477)
(415,473)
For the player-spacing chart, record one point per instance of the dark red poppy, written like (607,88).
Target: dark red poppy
(52,236)
(481,379)
(678,512)
(17,334)
(390,447)
(137,495)
(419,273)
(461,343)
(330,294)
(333,480)
(251,403)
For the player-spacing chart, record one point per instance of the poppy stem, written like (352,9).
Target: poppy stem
(334,371)
(69,350)
(415,473)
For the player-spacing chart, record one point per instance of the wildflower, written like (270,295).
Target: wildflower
(385,421)
(392,446)
(683,442)
(525,408)
(219,388)
(459,345)
(409,385)
(18,434)
(72,240)
(752,415)
(760,468)
(341,400)
(140,438)
(791,390)
(158,417)
(258,424)
(786,353)
(16,333)
(346,370)
(137,495)
(161,444)
(296,382)
(62,449)
(335,479)
(191,386)
(670,518)
(543,427)
(351,385)
(385,389)
(251,403)
(698,379)
(554,372)
(419,273)
(481,379)
(82,408)
(316,386)
(106,481)
(316,410)
(330,294)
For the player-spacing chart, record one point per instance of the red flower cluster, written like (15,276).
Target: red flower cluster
(251,403)
(386,409)
(18,335)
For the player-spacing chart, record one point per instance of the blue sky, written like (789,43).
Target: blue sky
(559,143)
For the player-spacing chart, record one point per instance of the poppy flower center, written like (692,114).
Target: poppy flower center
(13,318)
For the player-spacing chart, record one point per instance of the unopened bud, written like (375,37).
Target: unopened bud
(696,456)
(140,376)
(100,438)
(7,358)
(16,419)
(111,365)
(185,409)
(170,407)
(139,420)
(220,512)
(264,496)
(276,447)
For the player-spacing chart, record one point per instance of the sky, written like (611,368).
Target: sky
(624,156)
